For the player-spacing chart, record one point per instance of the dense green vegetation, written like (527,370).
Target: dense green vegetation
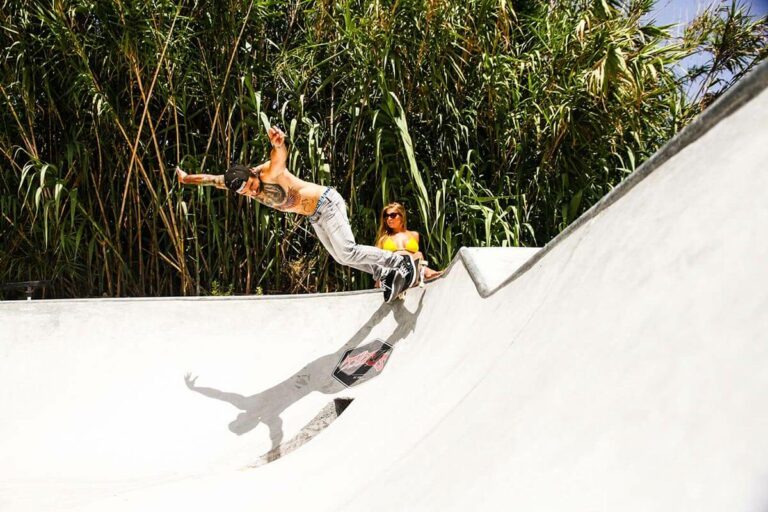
(495,122)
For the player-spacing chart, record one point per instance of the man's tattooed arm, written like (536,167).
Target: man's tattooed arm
(200,179)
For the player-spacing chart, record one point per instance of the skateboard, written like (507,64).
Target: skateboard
(396,281)
(419,282)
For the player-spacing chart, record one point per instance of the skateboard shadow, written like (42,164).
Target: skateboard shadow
(267,405)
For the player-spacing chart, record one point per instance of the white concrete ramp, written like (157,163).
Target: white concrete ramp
(623,367)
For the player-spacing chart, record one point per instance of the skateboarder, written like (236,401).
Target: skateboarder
(272,184)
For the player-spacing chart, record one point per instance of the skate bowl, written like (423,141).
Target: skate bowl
(620,367)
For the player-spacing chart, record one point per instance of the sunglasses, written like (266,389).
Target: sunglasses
(391,215)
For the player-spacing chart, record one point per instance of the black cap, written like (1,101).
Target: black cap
(236,176)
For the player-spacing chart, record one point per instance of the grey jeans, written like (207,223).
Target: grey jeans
(331,225)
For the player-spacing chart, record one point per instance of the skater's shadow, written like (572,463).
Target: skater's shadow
(266,406)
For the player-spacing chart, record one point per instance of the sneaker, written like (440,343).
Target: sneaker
(397,287)
(408,269)
(391,279)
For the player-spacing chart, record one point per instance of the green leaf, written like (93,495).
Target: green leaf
(265,121)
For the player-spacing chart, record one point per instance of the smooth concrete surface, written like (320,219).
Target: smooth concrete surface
(491,266)
(623,368)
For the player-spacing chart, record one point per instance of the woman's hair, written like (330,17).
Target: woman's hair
(383,228)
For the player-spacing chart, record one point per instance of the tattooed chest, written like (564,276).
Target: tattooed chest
(277,197)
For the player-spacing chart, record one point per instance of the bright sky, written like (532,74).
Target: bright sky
(668,12)
(682,11)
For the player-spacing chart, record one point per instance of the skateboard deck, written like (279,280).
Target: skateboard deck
(399,288)
(420,281)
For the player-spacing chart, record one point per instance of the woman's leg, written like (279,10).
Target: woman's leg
(429,274)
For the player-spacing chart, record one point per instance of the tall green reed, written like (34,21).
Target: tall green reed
(497,124)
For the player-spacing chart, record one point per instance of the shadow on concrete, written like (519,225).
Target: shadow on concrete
(266,406)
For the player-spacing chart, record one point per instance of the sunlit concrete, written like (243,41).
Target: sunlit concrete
(622,367)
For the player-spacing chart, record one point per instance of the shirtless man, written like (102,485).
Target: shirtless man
(272,184)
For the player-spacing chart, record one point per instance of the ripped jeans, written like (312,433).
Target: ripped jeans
(331,225)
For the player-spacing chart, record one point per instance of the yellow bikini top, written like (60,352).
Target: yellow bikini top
(411,245)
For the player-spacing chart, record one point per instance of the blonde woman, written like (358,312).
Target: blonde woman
(393,236)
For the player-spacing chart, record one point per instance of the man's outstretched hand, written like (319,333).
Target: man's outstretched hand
(276,137)
(180,175)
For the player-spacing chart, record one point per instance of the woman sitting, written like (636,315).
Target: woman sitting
(394,236)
